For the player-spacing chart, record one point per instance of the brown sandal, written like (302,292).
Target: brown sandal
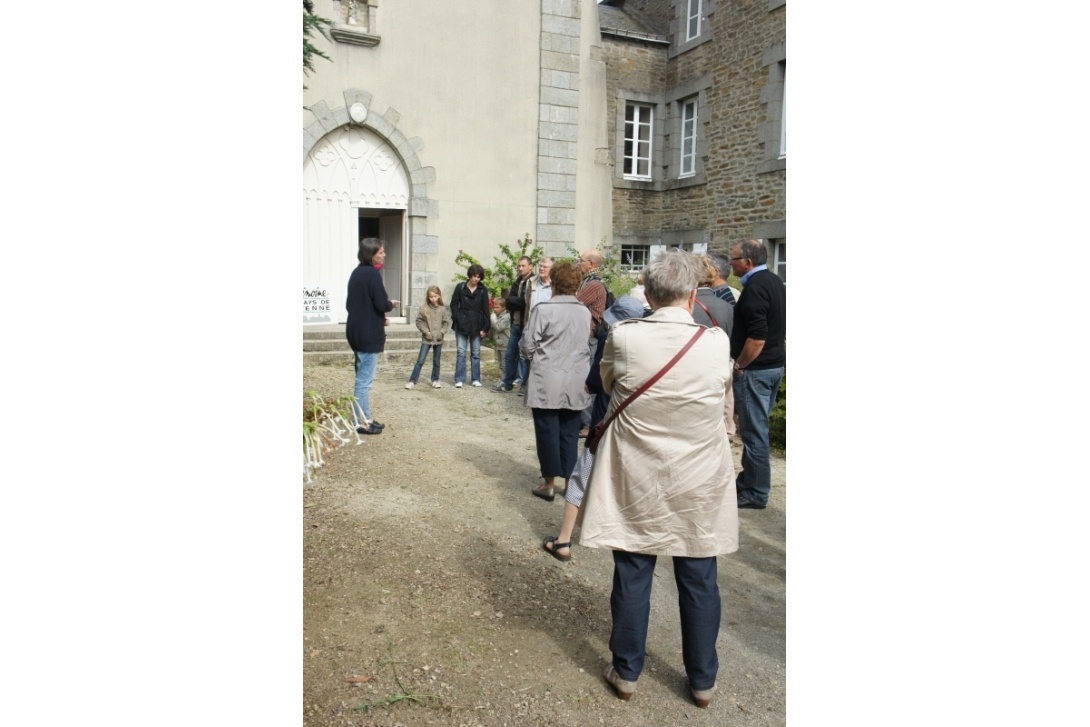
(556,546)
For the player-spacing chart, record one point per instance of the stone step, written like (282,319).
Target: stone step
(326,344)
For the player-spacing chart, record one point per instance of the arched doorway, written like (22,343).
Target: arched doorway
(354,185)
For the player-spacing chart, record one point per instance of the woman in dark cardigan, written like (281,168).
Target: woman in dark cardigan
(367,306)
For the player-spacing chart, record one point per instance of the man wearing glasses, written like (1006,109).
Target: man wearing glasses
(757,347)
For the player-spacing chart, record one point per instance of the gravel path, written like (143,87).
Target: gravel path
(428,599)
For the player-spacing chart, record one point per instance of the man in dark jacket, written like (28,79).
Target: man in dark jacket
(757,347)
(518,304)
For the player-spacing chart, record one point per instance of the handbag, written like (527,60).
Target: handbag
(596,433)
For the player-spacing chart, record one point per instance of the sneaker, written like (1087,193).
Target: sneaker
(409,385)
(476,383)
(368,430)
(457,384)
(436,385)
(522,391)
(501,389)
(517,382)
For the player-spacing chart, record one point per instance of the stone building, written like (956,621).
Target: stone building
(442,127)
(695,99)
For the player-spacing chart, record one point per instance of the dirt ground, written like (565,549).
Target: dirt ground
(428,599)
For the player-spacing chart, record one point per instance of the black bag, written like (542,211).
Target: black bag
(610,300)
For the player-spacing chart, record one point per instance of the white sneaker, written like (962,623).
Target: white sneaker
(409,385)
(436,385)
(476,383)
(517,382)
(457,384)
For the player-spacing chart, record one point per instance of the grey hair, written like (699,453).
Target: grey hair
(754,250)
(721,263)
(671,276)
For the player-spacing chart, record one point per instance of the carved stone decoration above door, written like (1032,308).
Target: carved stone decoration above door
(357,161)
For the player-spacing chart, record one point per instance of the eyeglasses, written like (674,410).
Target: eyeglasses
(739,258)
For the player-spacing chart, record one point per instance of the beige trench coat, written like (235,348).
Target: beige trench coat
(663,478)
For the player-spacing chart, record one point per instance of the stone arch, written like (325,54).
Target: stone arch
(422,211)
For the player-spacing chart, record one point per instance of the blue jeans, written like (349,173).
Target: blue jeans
(698,604)
(475,353)
(365,374)
(424,348)
(512,362)
(754,396)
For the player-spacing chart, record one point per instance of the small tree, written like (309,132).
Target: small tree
(311,23)
(504,270)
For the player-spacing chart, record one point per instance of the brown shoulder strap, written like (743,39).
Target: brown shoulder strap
(714,322)
(677,357)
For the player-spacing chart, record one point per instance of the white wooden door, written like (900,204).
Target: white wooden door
(349,169)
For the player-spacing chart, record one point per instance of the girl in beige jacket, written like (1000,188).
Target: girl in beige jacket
(433,320)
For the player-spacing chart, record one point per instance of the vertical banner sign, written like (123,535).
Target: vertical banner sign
(317,307)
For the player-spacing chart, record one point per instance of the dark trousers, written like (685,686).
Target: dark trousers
(698,604)
(557,433)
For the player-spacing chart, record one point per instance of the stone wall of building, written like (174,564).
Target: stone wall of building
(739,189)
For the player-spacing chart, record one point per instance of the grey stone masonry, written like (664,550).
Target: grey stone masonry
(558,127)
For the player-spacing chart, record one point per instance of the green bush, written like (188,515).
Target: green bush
(504,269)
(618,281)
(777,419)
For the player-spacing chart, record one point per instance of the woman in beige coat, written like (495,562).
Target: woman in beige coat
(663,477)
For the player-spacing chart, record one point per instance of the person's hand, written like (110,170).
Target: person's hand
(482,334)
(395,303)
(386,321)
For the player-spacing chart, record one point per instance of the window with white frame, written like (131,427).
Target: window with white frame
(783,114)
(637,141)
(779,259)
(634,258)
(693,19)
(688,138)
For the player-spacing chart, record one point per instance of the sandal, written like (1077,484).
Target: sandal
(556,546)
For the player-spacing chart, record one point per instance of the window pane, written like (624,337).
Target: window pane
(629,112)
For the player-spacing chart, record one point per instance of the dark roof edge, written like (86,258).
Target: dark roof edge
(649,37)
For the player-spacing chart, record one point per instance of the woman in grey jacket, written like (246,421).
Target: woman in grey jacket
(555,343)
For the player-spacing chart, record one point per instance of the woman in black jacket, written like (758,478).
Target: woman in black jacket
(470,311)
(365,329)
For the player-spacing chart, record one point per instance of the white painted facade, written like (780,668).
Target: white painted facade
(443,126)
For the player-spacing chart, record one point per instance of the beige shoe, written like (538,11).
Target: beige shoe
(625,689)
(703,697)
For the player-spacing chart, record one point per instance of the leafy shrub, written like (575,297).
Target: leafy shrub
(618,281)
(777,418)
(504,270)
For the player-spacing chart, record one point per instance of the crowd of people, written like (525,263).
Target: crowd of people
(653,381)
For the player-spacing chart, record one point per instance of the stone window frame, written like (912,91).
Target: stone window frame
(689,18)
(676,96)
(779,257)
(347,27)
(687,156)
(680,23)
(636,141)
(658,113)
(771,132)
